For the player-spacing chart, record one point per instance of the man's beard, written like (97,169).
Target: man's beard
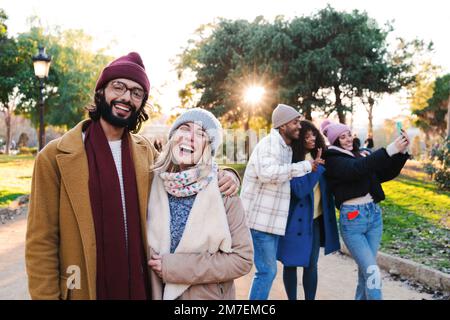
(106,113)
(291,134)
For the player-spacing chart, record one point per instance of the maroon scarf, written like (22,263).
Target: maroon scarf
(121,273)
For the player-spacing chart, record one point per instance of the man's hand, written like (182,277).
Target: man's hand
(156,264)
(228,185)
(317,161)
(158,145)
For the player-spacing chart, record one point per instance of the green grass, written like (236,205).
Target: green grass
(15,177)
(422,198)
(416,219)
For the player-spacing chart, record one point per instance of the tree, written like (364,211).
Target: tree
(322,62)
(389,129)
(8,109)
(73,72)
(3,27)
(225,59)
(389,73)
(424,74)
(355,59)
(8,68)
(416,148)
(433,115)
(153,107)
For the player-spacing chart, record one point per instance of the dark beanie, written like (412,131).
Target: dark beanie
(128,67)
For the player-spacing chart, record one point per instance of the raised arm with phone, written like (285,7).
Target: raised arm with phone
(356,182)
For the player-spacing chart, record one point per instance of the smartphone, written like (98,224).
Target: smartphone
(399,127)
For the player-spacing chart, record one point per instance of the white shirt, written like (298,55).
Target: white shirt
(116,150)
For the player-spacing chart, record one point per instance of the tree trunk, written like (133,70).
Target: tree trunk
(370,112)
(8,130)
(448,118)
(427,141)
(351,121)
(247,140)
(308,112)
(338,105)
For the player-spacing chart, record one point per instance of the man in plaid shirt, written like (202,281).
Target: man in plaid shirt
(266,193)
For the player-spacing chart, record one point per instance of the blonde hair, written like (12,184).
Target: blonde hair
(166,161)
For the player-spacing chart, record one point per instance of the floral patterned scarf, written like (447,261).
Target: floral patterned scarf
(189,182)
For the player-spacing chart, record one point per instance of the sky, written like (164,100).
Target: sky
(159,29)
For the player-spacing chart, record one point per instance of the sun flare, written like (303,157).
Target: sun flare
(254,94)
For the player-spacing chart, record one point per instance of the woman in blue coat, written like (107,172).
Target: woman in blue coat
(312,219)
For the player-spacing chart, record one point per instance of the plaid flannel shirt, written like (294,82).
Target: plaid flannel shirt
(266,190)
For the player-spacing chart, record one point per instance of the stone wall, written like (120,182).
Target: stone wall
(15,208)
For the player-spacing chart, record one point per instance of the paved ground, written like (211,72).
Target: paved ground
(337,273)
(337,281)
(13,279)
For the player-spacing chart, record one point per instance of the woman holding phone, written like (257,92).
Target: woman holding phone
(355,180)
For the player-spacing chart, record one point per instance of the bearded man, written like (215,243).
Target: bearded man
(86,232)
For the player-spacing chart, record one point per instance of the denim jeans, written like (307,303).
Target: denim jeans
(361,229)
(265,250)
(309,273)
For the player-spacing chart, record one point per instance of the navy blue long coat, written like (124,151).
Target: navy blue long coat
(294,248)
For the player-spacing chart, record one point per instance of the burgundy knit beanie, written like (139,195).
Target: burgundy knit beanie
(128,67)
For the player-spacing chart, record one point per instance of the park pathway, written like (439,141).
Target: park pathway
(337,273)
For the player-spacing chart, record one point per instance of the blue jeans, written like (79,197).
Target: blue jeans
(361,229)
(309,273)
(265,251)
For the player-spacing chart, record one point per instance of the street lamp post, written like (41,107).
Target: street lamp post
(41,63)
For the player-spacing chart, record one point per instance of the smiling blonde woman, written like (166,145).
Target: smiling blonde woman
(199,242)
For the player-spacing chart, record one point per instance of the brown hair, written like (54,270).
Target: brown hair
(355,150)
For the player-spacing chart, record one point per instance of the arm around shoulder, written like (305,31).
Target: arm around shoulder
(350,169)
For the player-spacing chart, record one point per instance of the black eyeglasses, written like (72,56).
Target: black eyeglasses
(121,88)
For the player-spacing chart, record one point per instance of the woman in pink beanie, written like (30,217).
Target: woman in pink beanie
(355,181)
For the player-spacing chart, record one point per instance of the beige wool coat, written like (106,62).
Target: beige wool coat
(210,276)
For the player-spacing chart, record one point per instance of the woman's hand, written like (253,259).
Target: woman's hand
(399,145)
(365,153)
(402,142)
(156,264)
(408,142)
(317,161)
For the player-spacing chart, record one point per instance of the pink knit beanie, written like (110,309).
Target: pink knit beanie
(333,130)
